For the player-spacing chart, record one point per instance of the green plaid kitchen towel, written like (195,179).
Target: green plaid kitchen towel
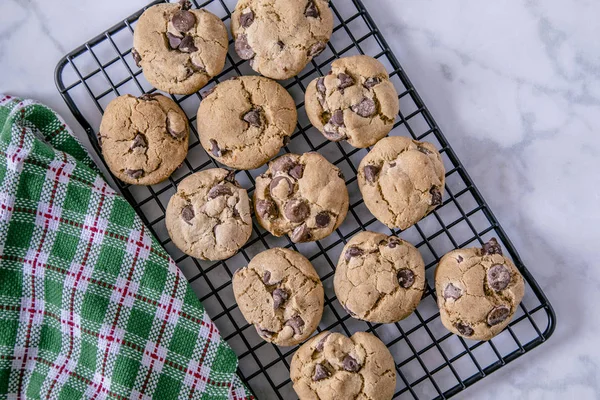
(91,306)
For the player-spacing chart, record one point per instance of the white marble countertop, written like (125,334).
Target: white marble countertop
(515,86)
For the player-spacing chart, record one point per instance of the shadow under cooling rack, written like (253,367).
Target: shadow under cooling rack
(430,361)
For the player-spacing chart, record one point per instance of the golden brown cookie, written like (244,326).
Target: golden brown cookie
(303,196)
(355,102)
(478,291)
(280,293)
(143,139)
(179,49)
(401,180)
(243,122)
(331,366)
(280,37)
(379,278)
(209,216)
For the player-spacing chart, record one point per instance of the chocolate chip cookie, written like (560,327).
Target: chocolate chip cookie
(243,122)
(478,291)
(143,139)
(280,37)
(179,49)
(303,196)
(355,102)
(331,366)
(280,293)
(209,216)
(401,180)
(379,278)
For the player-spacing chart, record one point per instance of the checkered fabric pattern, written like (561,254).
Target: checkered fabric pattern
(90,305)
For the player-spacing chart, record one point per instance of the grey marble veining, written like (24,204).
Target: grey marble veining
(514,85)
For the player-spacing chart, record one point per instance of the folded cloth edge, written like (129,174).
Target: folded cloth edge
(91,305)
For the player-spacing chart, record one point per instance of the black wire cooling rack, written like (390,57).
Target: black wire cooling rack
(430,361)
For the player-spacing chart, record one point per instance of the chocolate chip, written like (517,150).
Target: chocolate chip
(300,234)
(311,10)
(174,41)
(134,173)
(296,210)
(252,117)
(492,247)
(266,209)
(279,297)
(350,364)
(264,333)
(208,92)
(322,219)
(394,241)
(353,252)
(464,329)
(345,81)
(183,20)
(321,86)
(187,45)
(333,135)
(136,57)
(242,48)
(266,277)
(297,172)
(138,141)
(337,119)
(498,277)
(406,278)
(187,213)
(316,49)
(149,96)
(424,150)
(172,130)
(498,315)
(365,108)
(370,82)
(215,149)
(452,292)
(281,46)
(297,323)
(235,212)
(185,4)
(320,373)
(99,141)
(371,172)
(246,18)
(230,177)
(436,196)
(319,347)
(459,259)
(219,190)
(282,164)
(281,180)
(341,175)
(197,65)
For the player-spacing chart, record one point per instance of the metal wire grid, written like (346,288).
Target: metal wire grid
(430,361)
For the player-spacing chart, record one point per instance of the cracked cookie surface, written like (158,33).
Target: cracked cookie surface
(143,139)
(379,278)
(209,216)
(333,366)
(355,102)
(303,196)
(280,37)
(245,121)
(280,293)
(478,291)
(401,180)
(178,49)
